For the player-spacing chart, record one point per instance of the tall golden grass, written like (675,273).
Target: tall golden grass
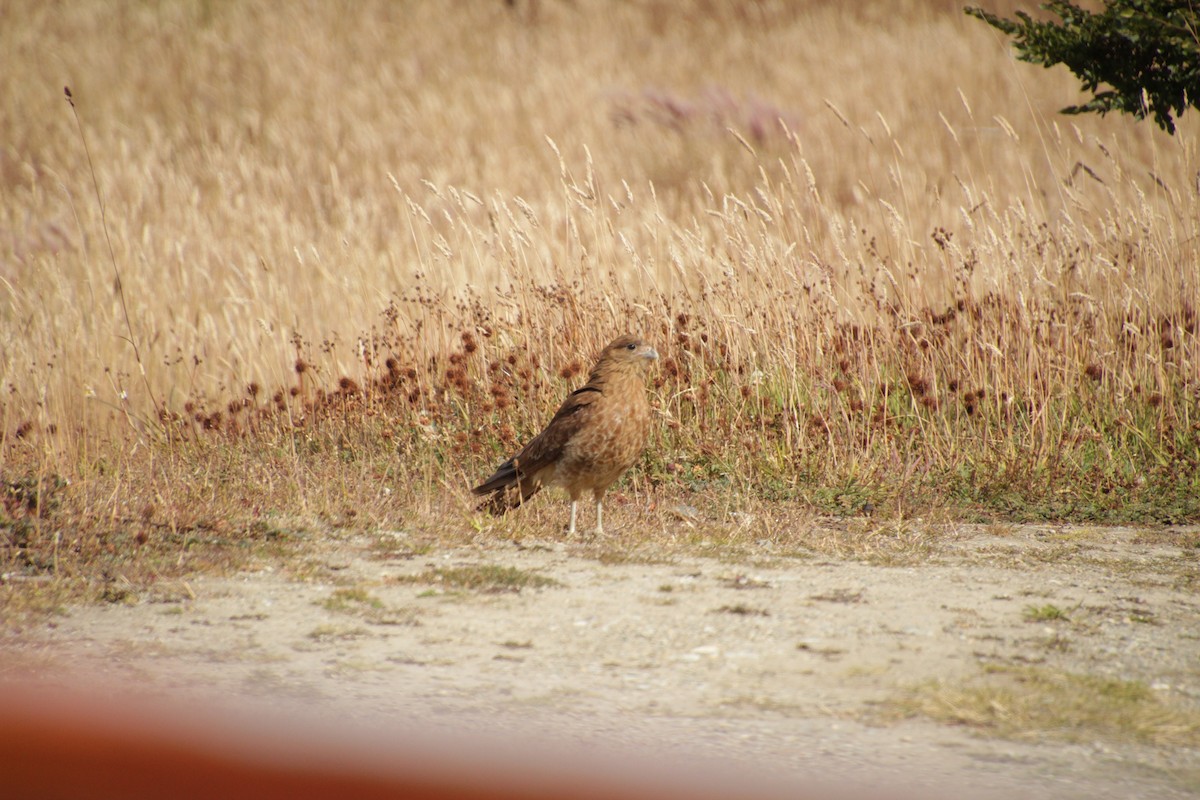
(371,245)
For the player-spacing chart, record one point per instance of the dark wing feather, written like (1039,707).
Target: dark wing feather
(545,448)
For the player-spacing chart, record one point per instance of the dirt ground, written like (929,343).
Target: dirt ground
(789,665)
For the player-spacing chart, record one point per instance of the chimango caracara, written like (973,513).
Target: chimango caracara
(597,433)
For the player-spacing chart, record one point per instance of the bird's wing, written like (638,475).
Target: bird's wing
(546,448)
(572,416)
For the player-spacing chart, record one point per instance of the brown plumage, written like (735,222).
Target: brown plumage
(597,433)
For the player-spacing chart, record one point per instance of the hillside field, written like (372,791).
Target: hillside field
(281,270)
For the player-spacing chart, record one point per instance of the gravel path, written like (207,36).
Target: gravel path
(787,666)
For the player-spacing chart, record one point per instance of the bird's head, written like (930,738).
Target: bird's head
(627,352)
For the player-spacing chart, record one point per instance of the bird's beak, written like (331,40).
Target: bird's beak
(650,353)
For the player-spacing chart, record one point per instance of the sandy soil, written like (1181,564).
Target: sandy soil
(782,664)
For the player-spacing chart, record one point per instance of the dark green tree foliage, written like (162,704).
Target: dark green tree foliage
(1147,51)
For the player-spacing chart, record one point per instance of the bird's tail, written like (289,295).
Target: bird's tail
(508,488)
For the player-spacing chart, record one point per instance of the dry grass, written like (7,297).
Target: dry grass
(364,254)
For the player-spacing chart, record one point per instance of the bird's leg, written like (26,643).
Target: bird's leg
(599,516)
(571,526)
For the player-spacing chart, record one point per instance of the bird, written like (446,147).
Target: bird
(598,432)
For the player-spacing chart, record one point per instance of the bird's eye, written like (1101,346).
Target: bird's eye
(631,346)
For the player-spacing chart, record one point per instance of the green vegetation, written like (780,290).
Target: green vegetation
(742,610)
(1031,703)
(1148,51)
(351,600)
(485,578)
(333,633)
(357,601)
(1044,613)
